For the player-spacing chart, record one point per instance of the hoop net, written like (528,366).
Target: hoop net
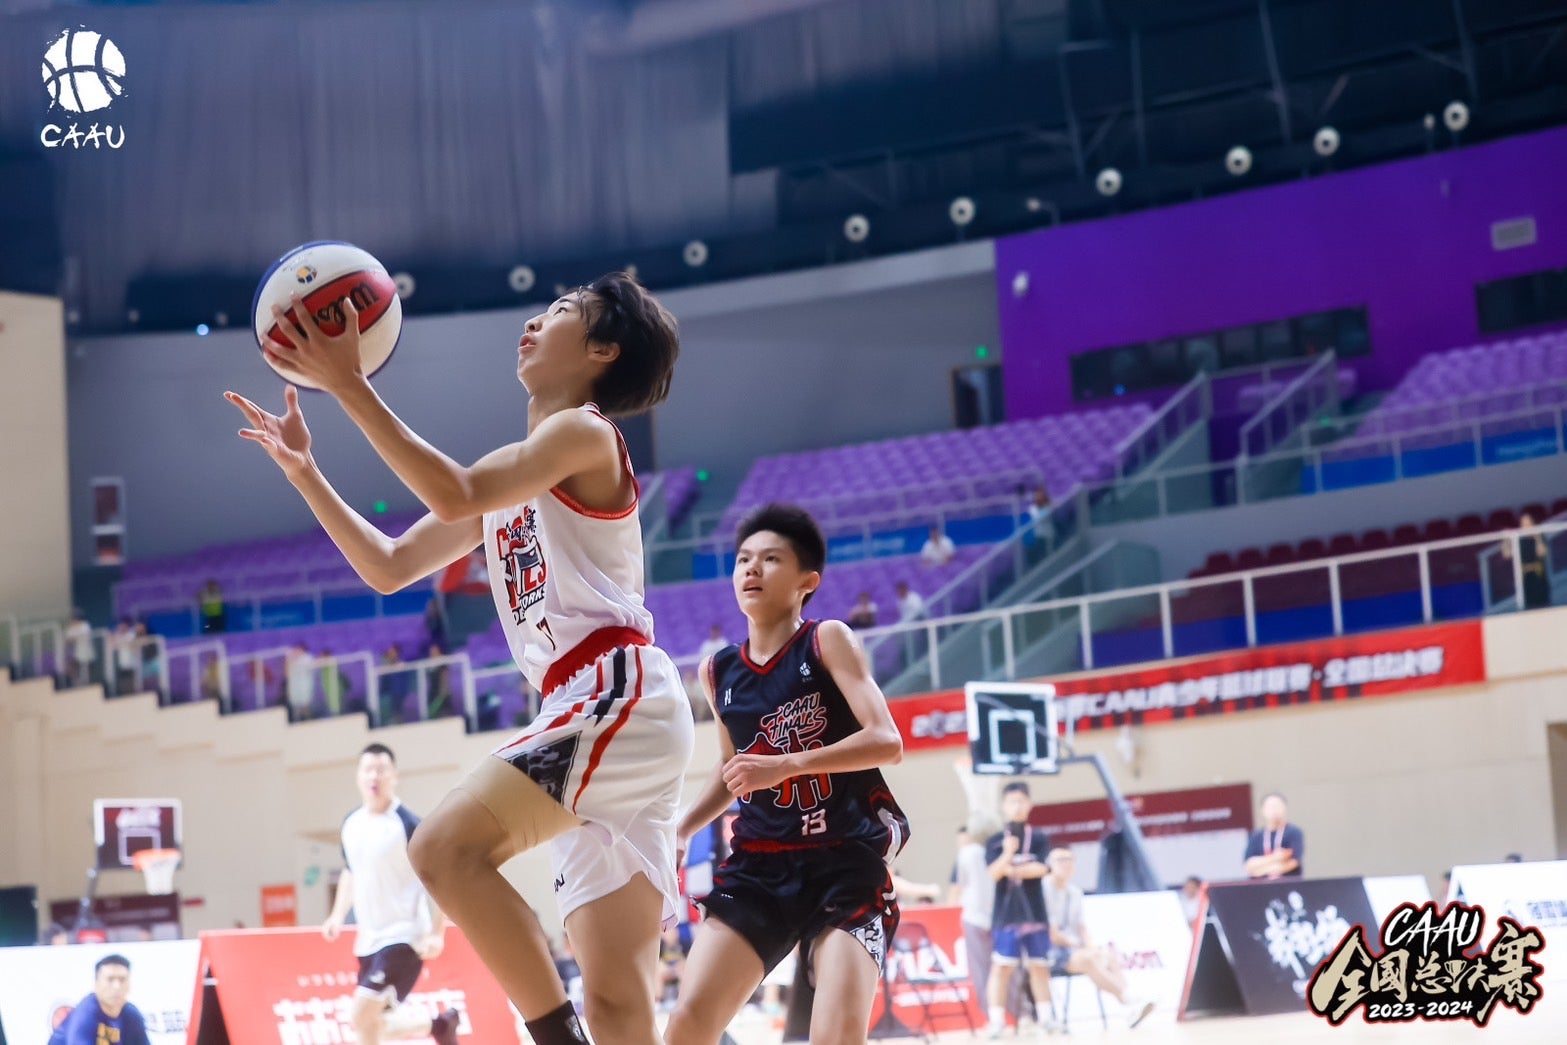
(157,867)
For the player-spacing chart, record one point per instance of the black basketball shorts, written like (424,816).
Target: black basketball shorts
(775,900)
(389,973)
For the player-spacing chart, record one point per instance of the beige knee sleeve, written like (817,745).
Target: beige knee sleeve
(524,810)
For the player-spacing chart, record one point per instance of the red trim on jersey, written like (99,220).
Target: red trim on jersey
(763,669)
(540,726)
(766,845)
(609,734)
(585,653)
(625,461)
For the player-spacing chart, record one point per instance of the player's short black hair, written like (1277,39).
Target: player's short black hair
(1017,787)
(112,959)
(795,525)
(619,311)
(378,749)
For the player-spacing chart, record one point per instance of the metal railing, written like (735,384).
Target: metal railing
(1191,405)
(1505,572)
(318,596)
(908,499)
(1300,401)
(1424,575)
(1481,406)
(1203,487)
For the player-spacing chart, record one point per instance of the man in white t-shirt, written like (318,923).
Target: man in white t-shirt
(910,605)
(714,642)
(1071,951)
(975,893)
(399,926)
(78,641)
(938,549)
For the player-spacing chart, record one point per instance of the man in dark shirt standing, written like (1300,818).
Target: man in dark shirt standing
(1020,932)
(1277,848)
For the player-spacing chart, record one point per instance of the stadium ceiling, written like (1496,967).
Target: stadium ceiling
(1160,90)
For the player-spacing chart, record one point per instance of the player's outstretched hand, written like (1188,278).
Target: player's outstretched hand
(285,439)
(744,774)
(430,947)
(328,361)
(331,929)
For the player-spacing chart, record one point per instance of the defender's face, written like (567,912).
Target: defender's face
(1274,811)
(768,577)
(553,349)
(377,779)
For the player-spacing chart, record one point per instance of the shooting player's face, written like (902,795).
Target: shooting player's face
(768,578)
(554,352)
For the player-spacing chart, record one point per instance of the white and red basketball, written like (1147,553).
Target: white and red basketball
(326,274)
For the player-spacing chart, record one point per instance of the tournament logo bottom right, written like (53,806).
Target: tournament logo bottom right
(1430,967)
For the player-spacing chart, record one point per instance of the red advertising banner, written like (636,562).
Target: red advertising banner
(1351,667)
(928,976)
(279,906)
(1197,810)
(292,987)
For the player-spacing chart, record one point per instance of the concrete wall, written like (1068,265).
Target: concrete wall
(35,528)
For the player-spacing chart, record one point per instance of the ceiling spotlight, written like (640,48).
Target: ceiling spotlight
(961,211)
(522,279)
(1326,142)
(856,228)
(405,285)
(695,254)
(1456,116)
(73,317)
(1108,182)
(221,319)
(631,270)
(1020,284)
(133,315)
(561,289)
(1238,160)
(1032,204)
(1429,123)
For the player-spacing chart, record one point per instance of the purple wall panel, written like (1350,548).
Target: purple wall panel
(1409,240)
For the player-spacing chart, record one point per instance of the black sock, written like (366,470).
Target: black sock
(560,1027)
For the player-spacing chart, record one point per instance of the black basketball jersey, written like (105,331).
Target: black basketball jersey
(792,704)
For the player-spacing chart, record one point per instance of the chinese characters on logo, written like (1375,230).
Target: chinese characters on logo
(1430,968)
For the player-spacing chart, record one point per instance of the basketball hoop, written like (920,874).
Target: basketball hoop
(157,866)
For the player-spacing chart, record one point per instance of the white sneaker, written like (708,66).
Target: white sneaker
(1139,1010)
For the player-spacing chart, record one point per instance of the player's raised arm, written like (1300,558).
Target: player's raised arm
(387,564)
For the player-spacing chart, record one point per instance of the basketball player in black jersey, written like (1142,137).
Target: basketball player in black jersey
(805,728)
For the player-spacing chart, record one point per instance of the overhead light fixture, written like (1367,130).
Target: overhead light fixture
(1238,160)
(856,228)
(695,254)
(961,211)
(1325,142)
(1108,181)
(405,283)
(521,279)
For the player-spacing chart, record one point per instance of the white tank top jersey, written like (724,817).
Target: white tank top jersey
(560,571)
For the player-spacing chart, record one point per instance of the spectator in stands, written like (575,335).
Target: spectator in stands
(79,651)
(910,605)
(105,1015)
(151,666)
(1071,951)
(434,628)
(1533,556)
(301,683)
(211,600)
(393,686)
(714,642)
(1191,892)
(440,686)
(1016,862)
(975,895)
(333,684)
(1043,522)
(938,549)
(1513,858)
(1276,849)
(211,679)
(126,656)
(56,935)
(863,613)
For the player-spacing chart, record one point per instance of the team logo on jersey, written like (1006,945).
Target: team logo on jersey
(522,560)
(805,671)
(796,726)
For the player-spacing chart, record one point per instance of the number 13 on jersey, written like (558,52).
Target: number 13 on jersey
(814,823)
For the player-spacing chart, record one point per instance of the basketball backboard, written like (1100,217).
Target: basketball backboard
(1012,728)
(122,827)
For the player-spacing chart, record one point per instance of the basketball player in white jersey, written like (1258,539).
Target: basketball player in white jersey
(397,925)
(598,772)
